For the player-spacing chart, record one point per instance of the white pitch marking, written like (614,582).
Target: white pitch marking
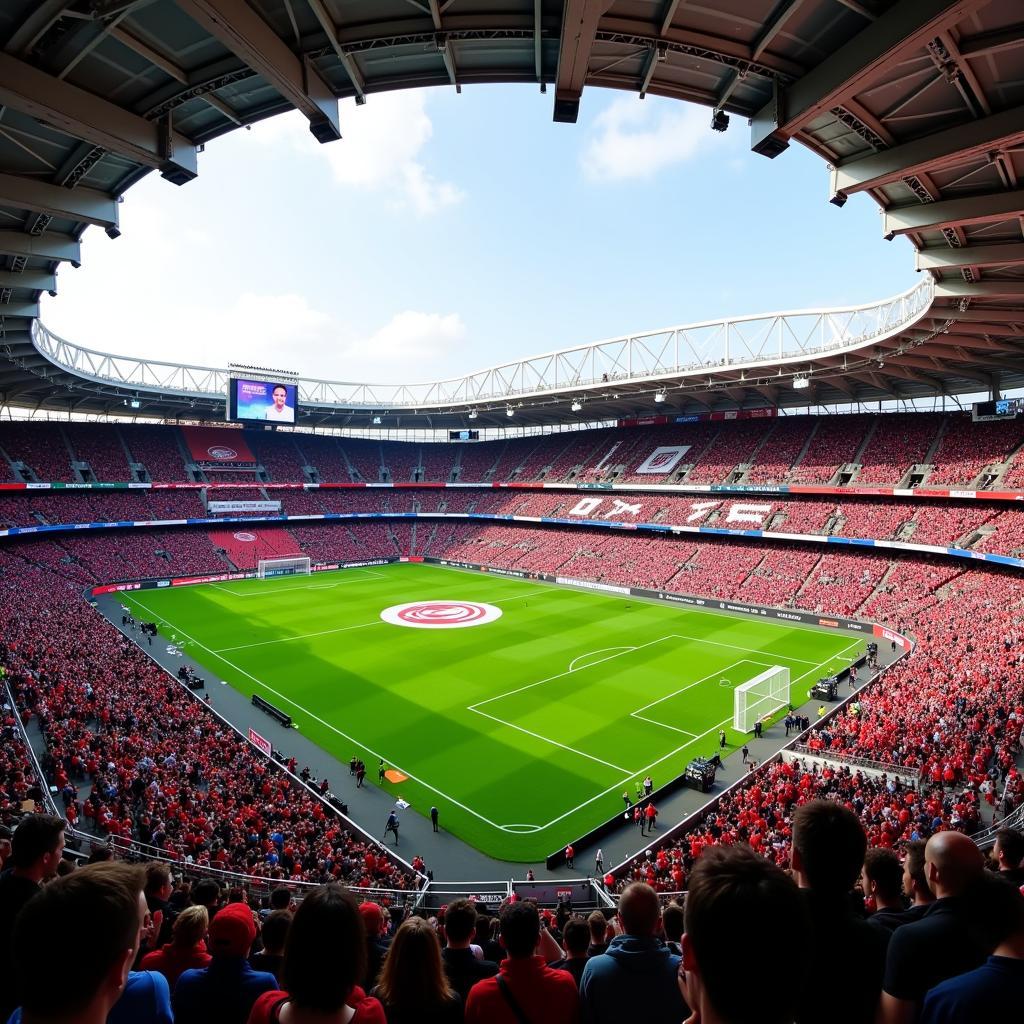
(301,636)
(544,739)
(602,650)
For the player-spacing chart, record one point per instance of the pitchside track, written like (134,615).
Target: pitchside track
(523,725)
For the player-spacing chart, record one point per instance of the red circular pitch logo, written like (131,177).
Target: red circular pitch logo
(440,614)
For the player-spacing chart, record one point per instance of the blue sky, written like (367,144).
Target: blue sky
(449,232)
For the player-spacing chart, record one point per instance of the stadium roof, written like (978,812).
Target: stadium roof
(920,103)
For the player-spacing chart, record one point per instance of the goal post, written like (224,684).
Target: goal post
(270,568)
(760,697)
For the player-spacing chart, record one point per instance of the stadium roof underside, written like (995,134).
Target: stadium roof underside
(918,102)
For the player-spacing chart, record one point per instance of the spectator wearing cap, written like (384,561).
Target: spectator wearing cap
(94,984)
(324,958)
(461,966)
(36,849)
(729,974)
(828,851)
(943,943)
(989,992)
(525,988)
(1008,855)
(376,941)
(636,962)
(185,951)
(224,992)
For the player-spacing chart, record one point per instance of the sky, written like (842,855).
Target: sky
(446,233)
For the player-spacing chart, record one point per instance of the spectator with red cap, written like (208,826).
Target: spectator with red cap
(376,941)
(224,992)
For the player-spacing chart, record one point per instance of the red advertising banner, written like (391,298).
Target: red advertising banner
(216,444)
(260,741)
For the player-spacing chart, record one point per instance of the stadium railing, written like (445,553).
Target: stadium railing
(913,775)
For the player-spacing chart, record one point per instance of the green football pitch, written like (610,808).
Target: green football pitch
(523,730)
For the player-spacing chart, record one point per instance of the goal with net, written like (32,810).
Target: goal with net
(760,697)
(269,568)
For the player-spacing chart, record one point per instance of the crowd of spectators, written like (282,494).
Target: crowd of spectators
(775,449)
(139,757)
(936,939)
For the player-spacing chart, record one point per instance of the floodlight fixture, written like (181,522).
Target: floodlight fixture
(509,411)
(473,414)
(577,406)
(801,382)
(659,396)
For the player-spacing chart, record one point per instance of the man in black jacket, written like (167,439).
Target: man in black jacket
(36,849)
(828,851)
(461,966)
(944,942)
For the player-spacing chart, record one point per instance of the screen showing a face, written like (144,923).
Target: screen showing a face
(263,401)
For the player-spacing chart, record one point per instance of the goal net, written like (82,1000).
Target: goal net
(268,568)
(760,697)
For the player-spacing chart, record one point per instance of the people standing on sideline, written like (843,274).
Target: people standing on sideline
(746,753)
(758,729)
(392,826)
(433,818)
(721,738)
(648,786)
(599,862)
(360,774)
(570,855)
(380,772)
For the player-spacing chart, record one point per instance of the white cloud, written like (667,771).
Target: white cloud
(411,346)
(381,149)
(636,140)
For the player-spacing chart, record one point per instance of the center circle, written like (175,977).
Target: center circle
(440,614)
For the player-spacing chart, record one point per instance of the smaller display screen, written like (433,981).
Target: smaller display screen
(463,435)
(262,401)
(1008,407)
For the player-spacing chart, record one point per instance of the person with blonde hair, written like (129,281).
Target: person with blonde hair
(186,948)
(413,985)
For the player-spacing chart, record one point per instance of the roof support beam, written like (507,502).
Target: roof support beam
(970,256)
(319,9)
(253,41)
(988,288)
(80,204)
(44,247)
(84,116)
(579,30)
(902,220)
(27,309)
(538,47)
(985,43)
(950,148)
(33,280)
(903,28)
(35,25)
(774,25)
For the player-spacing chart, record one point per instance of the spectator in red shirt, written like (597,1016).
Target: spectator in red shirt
(525,987)
(186,950)
(324,958)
